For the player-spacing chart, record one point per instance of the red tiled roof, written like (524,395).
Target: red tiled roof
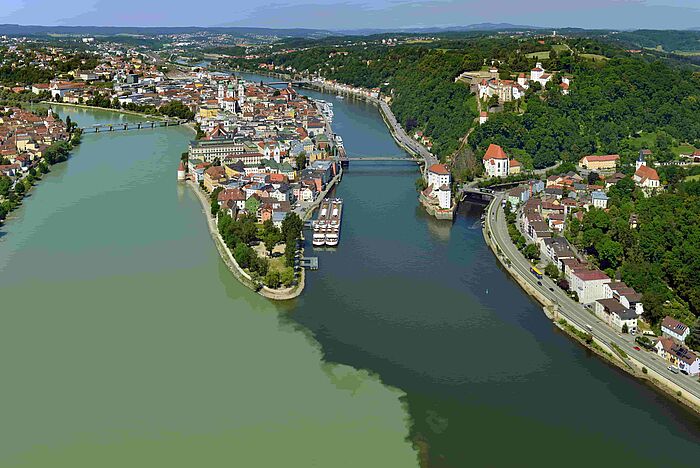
(439,169)
(494,152)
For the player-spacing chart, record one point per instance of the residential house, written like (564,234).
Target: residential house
(675,329)
(677,354)
(616,315)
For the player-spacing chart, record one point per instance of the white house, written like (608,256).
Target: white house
(438,175)
(675,329)
(496,162)
(625,295)
(439,181)
(616,315)
(539,75)
(600,200)
(589,285)
(483,117)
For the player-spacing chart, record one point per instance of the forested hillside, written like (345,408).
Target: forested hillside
(610,105)
(660,258)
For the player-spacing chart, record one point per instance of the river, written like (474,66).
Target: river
(126,341)
(489,380)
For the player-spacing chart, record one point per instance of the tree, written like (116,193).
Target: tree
(287,277)
(625,328)
(19,188)
(292,226)
(693,339)
(290,251)
(272,279)
(271,239)
(551,270)
(593,178)
(301,160)
(242,255)
(531,251)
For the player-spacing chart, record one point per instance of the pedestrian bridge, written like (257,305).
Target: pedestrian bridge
(122,127)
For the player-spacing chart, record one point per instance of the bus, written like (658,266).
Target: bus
(536,272)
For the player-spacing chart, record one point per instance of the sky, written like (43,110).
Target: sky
(355,14)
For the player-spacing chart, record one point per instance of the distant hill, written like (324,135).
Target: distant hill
(31,30)
(469,27)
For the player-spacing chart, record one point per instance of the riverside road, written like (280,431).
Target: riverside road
(574,312)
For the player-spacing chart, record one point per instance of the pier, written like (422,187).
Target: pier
(310,263)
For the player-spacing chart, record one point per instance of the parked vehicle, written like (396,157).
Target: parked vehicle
(673,369)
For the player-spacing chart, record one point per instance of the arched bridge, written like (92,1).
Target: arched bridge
(121,127)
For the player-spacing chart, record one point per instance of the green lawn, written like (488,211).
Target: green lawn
(560,47)
(682,149)
(692,177)
(595,57)
(539,55)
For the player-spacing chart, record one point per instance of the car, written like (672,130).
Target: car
(673,369)
(590,328)
(539,283)
(551,289)
(637,348)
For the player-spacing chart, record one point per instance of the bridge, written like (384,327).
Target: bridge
(477,195)
(285,83)
(122,127)
(345,160)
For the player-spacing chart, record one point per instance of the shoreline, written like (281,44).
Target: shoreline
(108,109)
(633,368)
(227,257)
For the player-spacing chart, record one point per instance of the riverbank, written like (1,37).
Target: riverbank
(108,109)
(227,256)
(601,348)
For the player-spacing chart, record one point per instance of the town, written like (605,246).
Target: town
(540,215)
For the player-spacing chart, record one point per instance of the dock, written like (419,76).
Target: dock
(310,263)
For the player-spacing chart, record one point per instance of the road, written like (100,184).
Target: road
(573,311)
(405,139)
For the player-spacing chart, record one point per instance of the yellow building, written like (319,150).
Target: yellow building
(606,162)
(208,112)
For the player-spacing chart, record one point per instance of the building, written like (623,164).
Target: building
(438,175)
(539,75)
(514,167)
(588,285)
(599,199)
(646,177)
(616,315)
(496,162)
(483,117)
(624,295)
(606,162)
(677,354)
(439,181)
(675,329)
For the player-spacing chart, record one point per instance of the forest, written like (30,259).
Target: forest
(615,97)
(609,106)
(660,258)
